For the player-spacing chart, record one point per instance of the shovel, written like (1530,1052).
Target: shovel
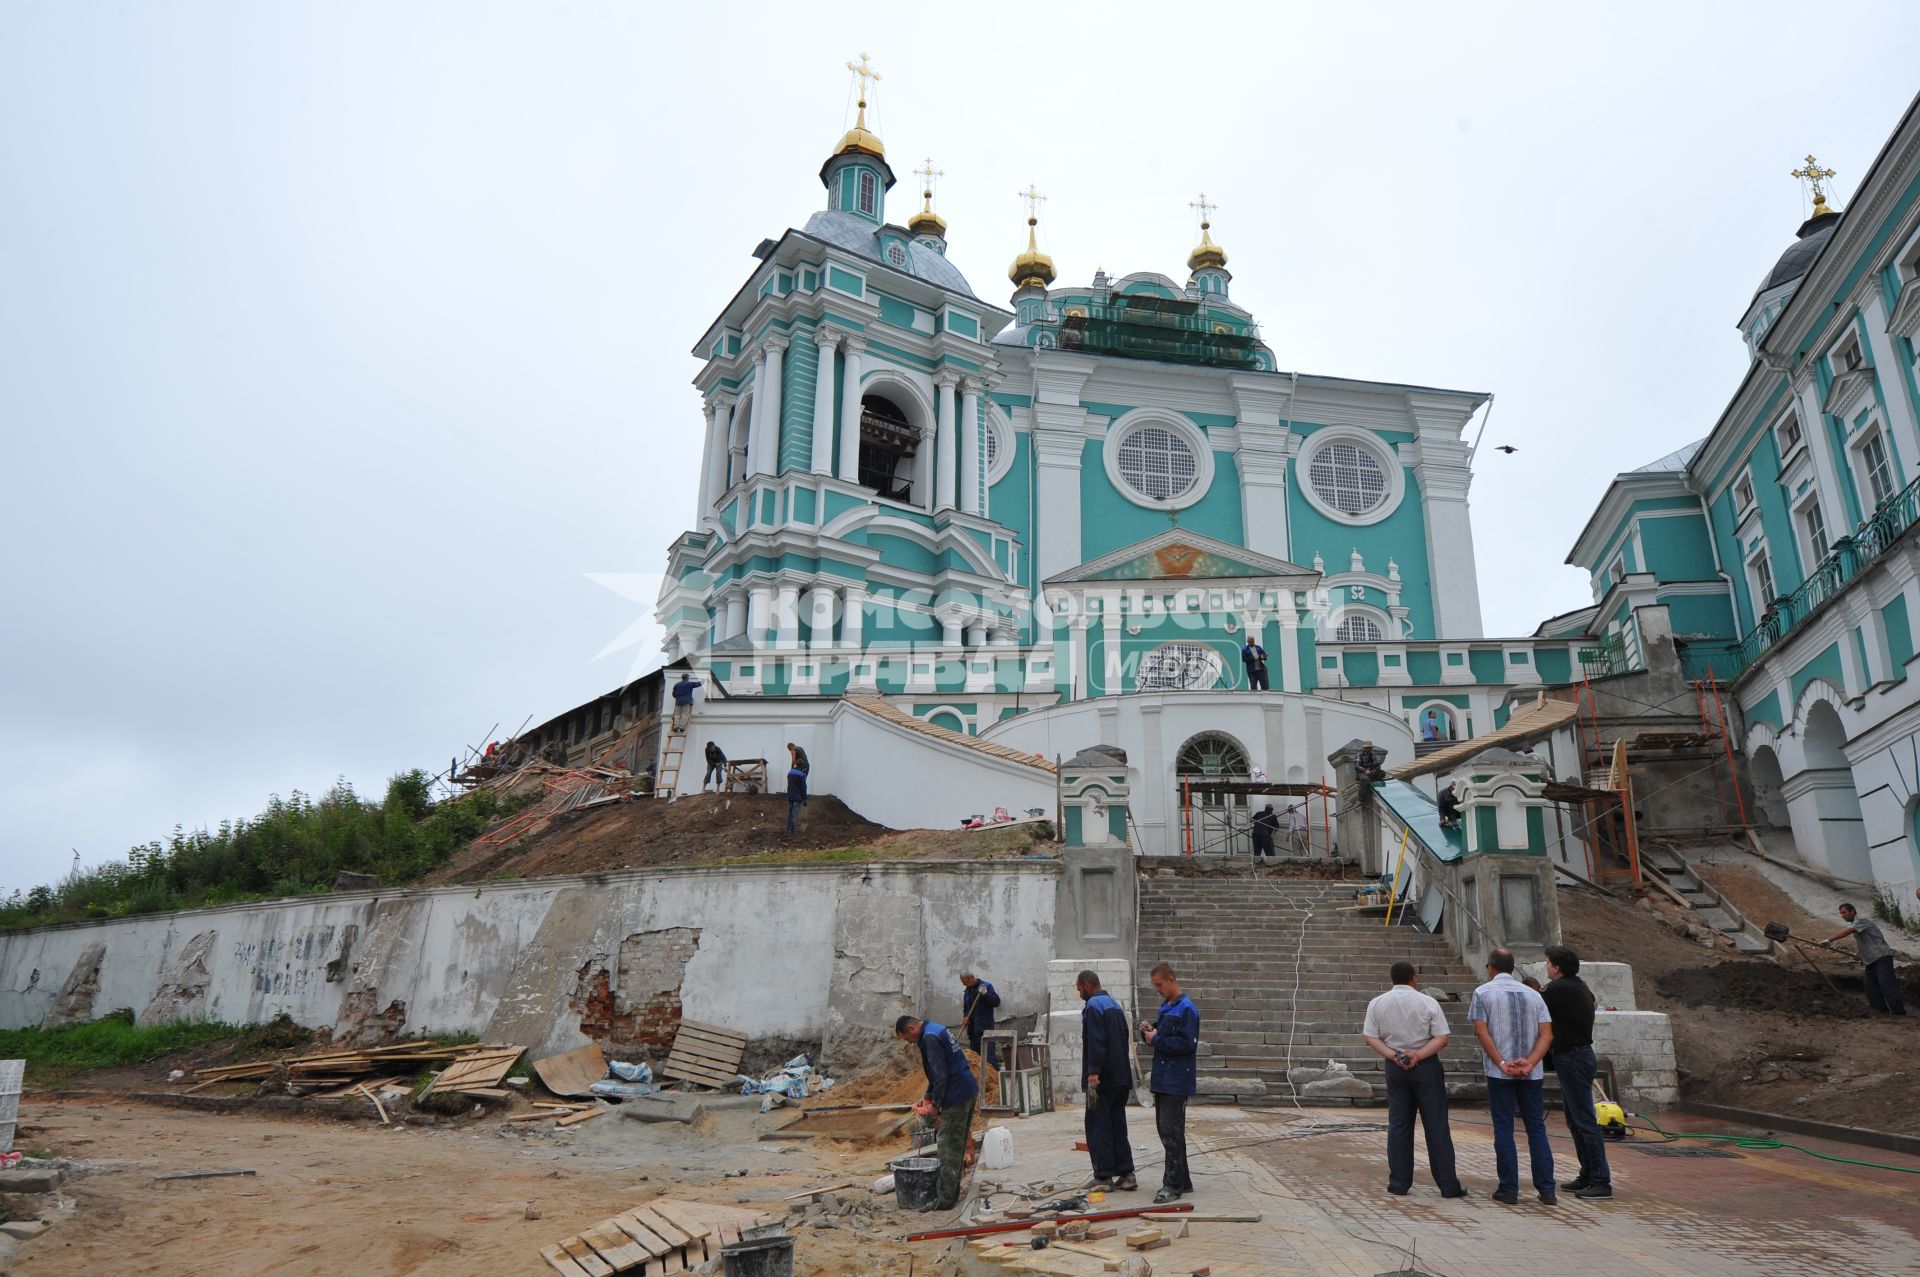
(1778,933)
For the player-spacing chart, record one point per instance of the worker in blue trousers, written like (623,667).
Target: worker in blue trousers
(978,998)
(1106,1074)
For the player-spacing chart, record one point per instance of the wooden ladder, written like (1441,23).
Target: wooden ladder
(670,758)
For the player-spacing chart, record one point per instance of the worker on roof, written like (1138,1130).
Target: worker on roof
(978,998)
(951,1091)
(1449,806)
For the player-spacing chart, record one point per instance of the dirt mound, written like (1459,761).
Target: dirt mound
(897,1086)
(697,829)
(1762,986)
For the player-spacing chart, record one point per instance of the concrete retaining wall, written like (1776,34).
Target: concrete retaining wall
(788,952)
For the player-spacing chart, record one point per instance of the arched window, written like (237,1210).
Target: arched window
(1214,756)
(888,442)
(1357,628)
(1184,667)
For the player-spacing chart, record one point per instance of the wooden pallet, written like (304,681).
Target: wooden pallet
(706,1055)
(664,1236)
(478,1072)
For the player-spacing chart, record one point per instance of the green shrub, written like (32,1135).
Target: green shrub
(113,1041)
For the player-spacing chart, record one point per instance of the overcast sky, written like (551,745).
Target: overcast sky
(343,347)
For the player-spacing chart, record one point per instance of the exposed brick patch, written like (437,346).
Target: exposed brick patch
(637,1003)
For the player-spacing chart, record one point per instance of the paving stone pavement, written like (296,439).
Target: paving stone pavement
(1326,1212)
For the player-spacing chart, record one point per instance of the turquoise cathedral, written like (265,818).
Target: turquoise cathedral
(1096,492)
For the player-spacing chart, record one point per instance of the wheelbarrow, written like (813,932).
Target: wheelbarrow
(1779,934)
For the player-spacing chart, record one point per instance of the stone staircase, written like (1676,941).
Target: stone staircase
(1711,908)
(1233,942)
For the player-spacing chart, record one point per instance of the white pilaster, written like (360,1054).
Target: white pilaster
(1057,476)
(820,618)
(852,349)
(851,620)
(945,468)
(825,339)
(735,618)
(759,614)
(970,446)
(1111,670)
(763,454)
(1440,468)
(1888,372)
(713,460)
(786,617)
(1827,481)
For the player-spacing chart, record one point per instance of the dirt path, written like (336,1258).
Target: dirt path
(330,1197)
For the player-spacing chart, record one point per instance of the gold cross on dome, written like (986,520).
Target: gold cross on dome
(1205,208)
(1034,200)
(926,173)
(865,71)
(1815,175)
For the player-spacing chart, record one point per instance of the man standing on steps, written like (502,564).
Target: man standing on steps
(951,1091)
(1515,1032)
(1106,1074)
(1407,1029)
(1571,1004)
(1174,1036)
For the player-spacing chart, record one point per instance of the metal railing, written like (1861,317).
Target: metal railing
(1850,556)
(1609,656)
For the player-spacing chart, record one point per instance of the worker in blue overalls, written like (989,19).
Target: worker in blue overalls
(1174,1036)
(950,1096)
(978,998)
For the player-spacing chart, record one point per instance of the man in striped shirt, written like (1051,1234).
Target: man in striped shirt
(1515,1031)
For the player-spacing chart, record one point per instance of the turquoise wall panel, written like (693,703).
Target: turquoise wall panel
(1401,536)
(1424,667)
(1487,667)
(1361,668)
(1553,664)
(1109,521)
(1899,628)
(894,311)
(1827,666)
(1700,615)
(1767,710)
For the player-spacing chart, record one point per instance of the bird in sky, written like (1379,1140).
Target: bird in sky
(1506,448)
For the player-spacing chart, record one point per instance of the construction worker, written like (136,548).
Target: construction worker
(978,998)
(1571,1004)
(796,797)
(1515,1031)
(797,757)
(1254,657)
(716,773)
(683,700)
(1297,830)
(1407,1029)
(1106,1074)
(951,1091)
(1266,823)
(1876,955)
(1449,806)
(1174,1036)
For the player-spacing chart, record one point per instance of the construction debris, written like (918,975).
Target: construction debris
(203,1174)
(663,1236)
(475,1070)
(706,1055)
(574,1072)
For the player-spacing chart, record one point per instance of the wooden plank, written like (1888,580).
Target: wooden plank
(699,1079)
(572,1072)
(700,1070)
(714,1034)
(582,1254)
(723,1057)
(484,1092)
(630,1223)
(574,1119)
(561,1262)
(614,1246)
(681,1060)
(730,1046)
(670,1232)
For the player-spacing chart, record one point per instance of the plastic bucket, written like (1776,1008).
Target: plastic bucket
(916,1182)
(761,1257)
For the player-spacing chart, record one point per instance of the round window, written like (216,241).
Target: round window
(1157,463)
(1348,477)
(897,254)
(1180,667)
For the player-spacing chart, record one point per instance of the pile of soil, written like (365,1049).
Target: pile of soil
(1750,1033)
(889,1086)
(732,828)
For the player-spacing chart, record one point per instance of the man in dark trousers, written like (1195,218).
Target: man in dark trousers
(1883,986)
(683,699)
(1254,657)
(1407,1029)
(978,998)
(716,773)
(1106,1074)
(950,1096)
(1266,823)
(1449,805)
(1515,1030)
(1571,1003)
(796,797)
(1174,1036)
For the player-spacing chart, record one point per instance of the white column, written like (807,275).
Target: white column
(1830,485)
(786,617)
(723,472)
(1058,481)
(712,458)
(759,610)
(950,631)
(976,636)
(944,468)
(1080,678)
(970,446)
(851,622)
(1289,649)
(825,339)
(1111,673)
(736,616)
(763,454)
(820,618)
(852,349)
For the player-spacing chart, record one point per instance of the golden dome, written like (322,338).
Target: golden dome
(1033,268)
(1207,254)
(926,221)
(858,139)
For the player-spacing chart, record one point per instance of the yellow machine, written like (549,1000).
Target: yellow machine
(1611,1117)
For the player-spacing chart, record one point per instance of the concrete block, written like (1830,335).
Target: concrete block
(1214,1084)
(24,1229)
(1611,982)
(668,1106)
(30,1180)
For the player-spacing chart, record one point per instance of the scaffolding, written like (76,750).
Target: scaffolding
(1226,829)
(1163,328)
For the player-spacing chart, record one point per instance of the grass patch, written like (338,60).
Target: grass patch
(112,1042)
(805,856)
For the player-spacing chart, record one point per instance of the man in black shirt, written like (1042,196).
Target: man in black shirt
(1571,1003)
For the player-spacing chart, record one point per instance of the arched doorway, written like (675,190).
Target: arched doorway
(889,444)
(1769,798)
(1435,724)
(1828,829)
(1216,824)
